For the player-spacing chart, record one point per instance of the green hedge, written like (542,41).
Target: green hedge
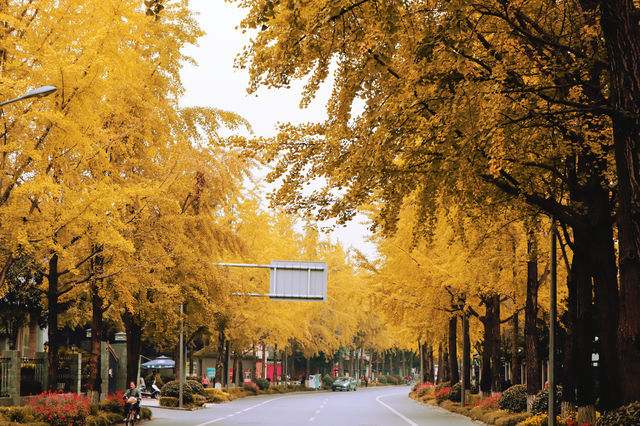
(263,383)
(540,404)
(112,405)
(168,401)
(514,399)
(627,415)
(19,414)
(172,389)
(455,394)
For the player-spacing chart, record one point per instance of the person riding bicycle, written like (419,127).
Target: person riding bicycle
(132,399)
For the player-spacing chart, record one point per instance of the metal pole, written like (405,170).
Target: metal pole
(552,329)
(138,375)
(181,360)
(465,361)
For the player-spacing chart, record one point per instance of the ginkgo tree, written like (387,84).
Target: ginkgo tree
(466,98)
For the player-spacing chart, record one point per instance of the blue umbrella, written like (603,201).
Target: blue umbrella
(160,362)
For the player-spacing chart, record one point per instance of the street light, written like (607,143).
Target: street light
(35,93)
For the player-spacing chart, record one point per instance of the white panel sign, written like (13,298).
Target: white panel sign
(292,280)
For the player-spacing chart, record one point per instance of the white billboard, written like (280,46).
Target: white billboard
(292,280)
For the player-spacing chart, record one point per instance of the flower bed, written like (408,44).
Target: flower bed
(61,409)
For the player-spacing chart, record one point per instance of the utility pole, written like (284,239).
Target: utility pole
(181,360)
(552,329)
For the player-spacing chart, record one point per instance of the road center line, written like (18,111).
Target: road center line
(409,421)
(246,409)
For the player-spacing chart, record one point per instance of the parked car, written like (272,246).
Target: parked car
(344,384)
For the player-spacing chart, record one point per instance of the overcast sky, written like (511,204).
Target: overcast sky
(214,82)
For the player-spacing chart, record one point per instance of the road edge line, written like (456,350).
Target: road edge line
(402,416)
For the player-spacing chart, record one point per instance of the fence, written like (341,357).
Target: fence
(33,376)
(69,373)
(4,377)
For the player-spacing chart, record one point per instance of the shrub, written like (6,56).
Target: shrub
(104,419)
(251,387)
(425,389)
(58,409)
(216,396)
(172,389)
(442,394)
(263,384)
(196,387)
(626,415)
(456,392)
(489,402)
(542,420)
(113,404)
(328,380)
(19,414)
(540,404)
(168,401)
(145,413)
(443,385)
(514,399)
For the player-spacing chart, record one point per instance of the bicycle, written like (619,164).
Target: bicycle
(130,415)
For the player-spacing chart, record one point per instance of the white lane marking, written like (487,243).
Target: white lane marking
(312,419)
(238,412)
(231,415)
(409,421)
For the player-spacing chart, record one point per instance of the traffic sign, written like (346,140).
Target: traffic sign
(293,280)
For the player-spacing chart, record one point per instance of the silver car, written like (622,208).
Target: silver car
(344,384)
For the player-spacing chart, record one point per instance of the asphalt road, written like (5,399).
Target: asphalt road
(386,406)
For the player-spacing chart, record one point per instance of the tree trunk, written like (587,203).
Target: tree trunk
(265,360)
(466,354)
(254,372)
(496,363)
(238,373)
(599,241)
(219,359)
(485,379)
(515,358)
(440,364)
(133,328)
(585,395)
(570,344)
(619,23)
(431,365)
(454,374)
(52,323)
(530,317)
(95,380)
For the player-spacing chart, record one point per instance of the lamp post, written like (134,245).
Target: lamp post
(35,93)
(552,330)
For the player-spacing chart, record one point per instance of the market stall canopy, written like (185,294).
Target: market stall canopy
(160,362)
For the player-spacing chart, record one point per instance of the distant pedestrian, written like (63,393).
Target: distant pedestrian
(366,382)
(205,382)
